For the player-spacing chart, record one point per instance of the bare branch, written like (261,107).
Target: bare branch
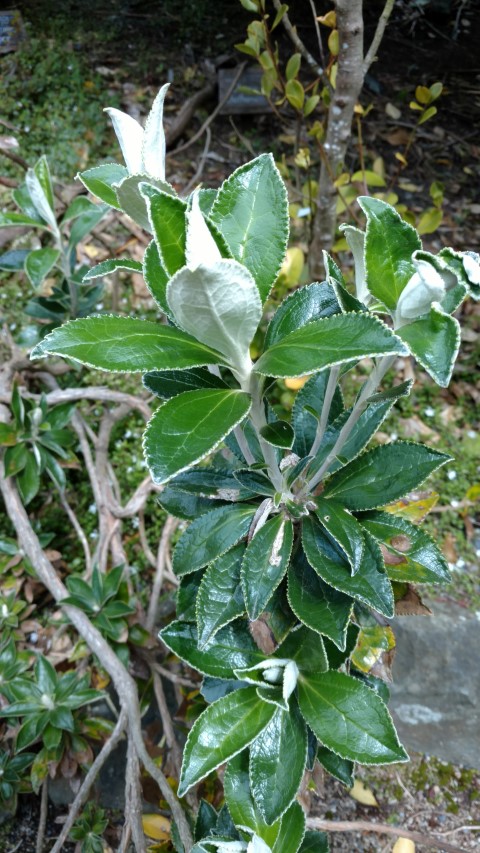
(123,682)
(378,35)
(382,829)
(42,823)
(78,530)
(72,395)
(87,783)
(133,798)
(167,724)
(169,527)
(298,43)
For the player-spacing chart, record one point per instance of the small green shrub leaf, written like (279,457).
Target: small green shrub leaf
(313,302)
(410,554)
(344,529)
(125,344)
(321,608)
(170,383)
(265,563)
(383,474)
(210,536)
(231,648)
(223,730)
(240,802)
(314,842)
(156,276)
(251,212)
(306,648)
(188,427)
(341,768)
(389,245)
(292,830)
(219,304)
(278,434)
(38,264)
(434,340)
(349,718)
(322,343)
(220,597)
(111,266)
(369,585)
(102,180)
(131,199)
(166,214)
(277,760)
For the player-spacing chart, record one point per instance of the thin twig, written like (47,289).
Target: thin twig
(298,43)
(42,821)
(213,115)
(378,35)
(168,529)
(87,783)
(203,159)
(382,829)
(172,676)
(317,30)
(78,530)
(167,724)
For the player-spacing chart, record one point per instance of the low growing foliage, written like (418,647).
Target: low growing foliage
(292,562)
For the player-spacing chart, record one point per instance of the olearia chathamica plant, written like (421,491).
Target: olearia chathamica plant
(291,555)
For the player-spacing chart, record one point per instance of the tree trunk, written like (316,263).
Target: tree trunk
(349,82)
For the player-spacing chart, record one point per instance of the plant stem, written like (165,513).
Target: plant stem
(42,824)
(368,389)
(258,419)
(327,405)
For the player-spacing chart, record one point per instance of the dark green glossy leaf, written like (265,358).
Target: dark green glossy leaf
(231,648)
(205,821)
(167,218)
(15,459)
(349,718)
(410,553)
(212,484)
(240,801)
(306,648)
(169,383)
(370,584)
(383,474)
(125,344)
(322,343)
(100,181)
(187,595)
(309,398)
(292,830)
(277,761)
(183,505)
(434,340)
(188,427)
(309,303)
(13,260)
(314,842)
(317,605)
(265,563)
(223,730)
(344,529)
(156,276)
(389,245)
(341,768)
(251,212)
(220,597)
(255,481)
(337,657)
(210,536)
(279,434)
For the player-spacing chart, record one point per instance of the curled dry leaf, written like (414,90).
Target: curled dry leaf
(411,604)
(403,845)
(362,794)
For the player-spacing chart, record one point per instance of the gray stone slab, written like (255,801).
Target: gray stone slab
(436,691)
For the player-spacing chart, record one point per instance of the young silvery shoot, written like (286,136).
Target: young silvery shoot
(292,555)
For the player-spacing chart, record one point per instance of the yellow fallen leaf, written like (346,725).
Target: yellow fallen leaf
(296,382)
(156,826)
(362,794)
(404,845)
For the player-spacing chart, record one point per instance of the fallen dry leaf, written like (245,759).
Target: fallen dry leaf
(404,845)
(362,794)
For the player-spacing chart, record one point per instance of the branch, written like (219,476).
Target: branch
(378,35)
(87,783)
(167,723)
(124,684)
(168,529)
(298,43)
(382,829)
(213,115)
(72,395)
